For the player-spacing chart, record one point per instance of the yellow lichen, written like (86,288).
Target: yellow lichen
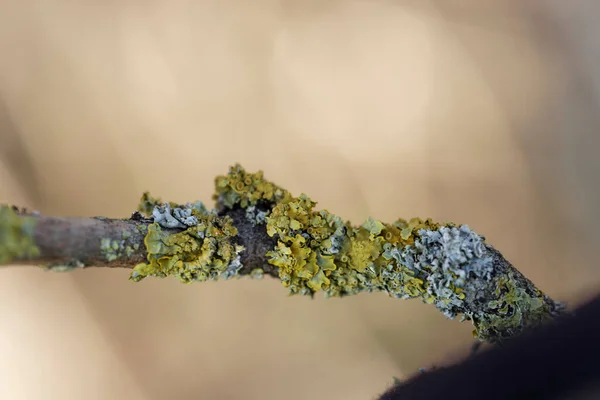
(408,230)
(244,189)
(17,239)
(514,308)
(204,251)
(147,204)
(316,251)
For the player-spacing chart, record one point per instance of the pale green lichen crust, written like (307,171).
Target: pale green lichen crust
(17,240)
(187,242)
(446,265)
(67,266)
(113,249)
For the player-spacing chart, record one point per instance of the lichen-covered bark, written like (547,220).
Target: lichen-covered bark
(67,243)
(260,228)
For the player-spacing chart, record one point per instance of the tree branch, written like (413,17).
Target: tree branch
(259,228)
(70,243)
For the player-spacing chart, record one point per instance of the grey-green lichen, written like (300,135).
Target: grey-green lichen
(17,240)
(114,249)
(256,216)
(65,266)
(443,264)
(188,242)
(257,273)
(443,259)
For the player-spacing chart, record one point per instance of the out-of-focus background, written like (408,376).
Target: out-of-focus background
(484,113)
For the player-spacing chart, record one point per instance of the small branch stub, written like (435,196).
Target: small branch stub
(259,228)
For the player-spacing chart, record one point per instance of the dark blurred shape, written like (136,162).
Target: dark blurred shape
(555,362)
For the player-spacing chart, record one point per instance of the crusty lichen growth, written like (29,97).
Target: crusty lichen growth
(114,249)
(17,240)
(447,265)
(67,266)
(275,233)
(514,305)
(443,264)
(187,242)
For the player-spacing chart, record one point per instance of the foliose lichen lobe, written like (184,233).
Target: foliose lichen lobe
(446,265)
(17,235)
(187,242)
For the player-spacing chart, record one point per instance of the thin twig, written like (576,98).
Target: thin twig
(259,228)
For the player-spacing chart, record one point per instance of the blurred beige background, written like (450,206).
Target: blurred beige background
(457,110)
